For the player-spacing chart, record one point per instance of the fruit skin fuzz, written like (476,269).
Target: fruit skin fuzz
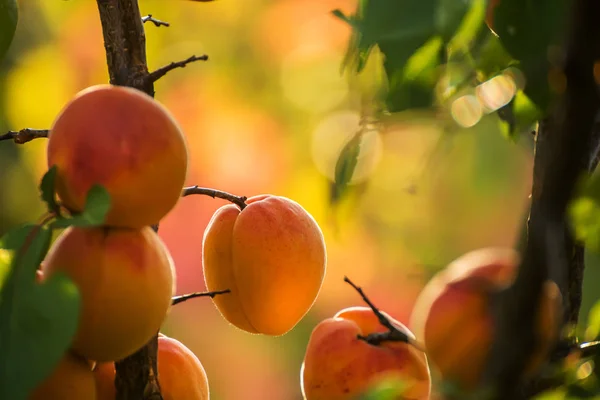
(272,256)
(126,141)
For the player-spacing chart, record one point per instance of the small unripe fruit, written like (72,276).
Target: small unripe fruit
(272,257)
(126,141)
(126,280)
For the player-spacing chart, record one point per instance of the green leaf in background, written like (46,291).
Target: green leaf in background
(347,162)
(47,189)
(584,212)
(9,14)
(412,82)
(97,205)
(449,16)
(530,30)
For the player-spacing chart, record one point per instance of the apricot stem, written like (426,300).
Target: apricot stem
(239,201)
(156,22)
(185,297)
(25,135)
(393,335)
(159,73)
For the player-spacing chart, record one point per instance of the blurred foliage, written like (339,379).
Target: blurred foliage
(409,141)
(9,14)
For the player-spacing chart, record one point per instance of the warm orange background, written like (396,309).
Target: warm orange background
(267,114)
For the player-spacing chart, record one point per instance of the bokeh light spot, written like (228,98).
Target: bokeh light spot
(466,110)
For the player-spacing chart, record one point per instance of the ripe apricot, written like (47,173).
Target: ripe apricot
(126,141)
(272,257)
(126,281)
(72,379)
(452,315)
(339,366)
(180,374)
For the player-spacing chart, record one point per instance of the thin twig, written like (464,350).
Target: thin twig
(25,135)
(240,201)
(156,22)
(392,335)
(159,73)
(185,297)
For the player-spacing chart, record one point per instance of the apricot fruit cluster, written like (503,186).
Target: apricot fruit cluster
(182,375)
(125,141)
(451,322)
(272,257)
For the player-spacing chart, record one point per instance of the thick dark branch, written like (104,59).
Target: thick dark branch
(562,154)
(156,22)
(185,297)
(159,73)
(25,135)
(240,201)
(125,44)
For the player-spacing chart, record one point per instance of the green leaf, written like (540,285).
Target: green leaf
(9,14)
(25,326)
(412,84)
(584,211)
(97,205)
(47,189)
(45,325)
(449,15)
(531,36)
(346,163)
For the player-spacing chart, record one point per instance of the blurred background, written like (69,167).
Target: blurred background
(269,113)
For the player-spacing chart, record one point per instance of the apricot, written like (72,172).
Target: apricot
(339,366)
(452,315)
(181,375)
(126,141)
(272,257)
(126,280)
(71,379)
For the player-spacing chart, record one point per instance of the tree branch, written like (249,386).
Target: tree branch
(392,335)
(186,297)
(159,73)
(240,201)
(156,22)
(562,154)
(24,135)
(125,44)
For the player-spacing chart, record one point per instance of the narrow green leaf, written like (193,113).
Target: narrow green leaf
(47,189)
(9,14)
(347,161)
(97,205)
